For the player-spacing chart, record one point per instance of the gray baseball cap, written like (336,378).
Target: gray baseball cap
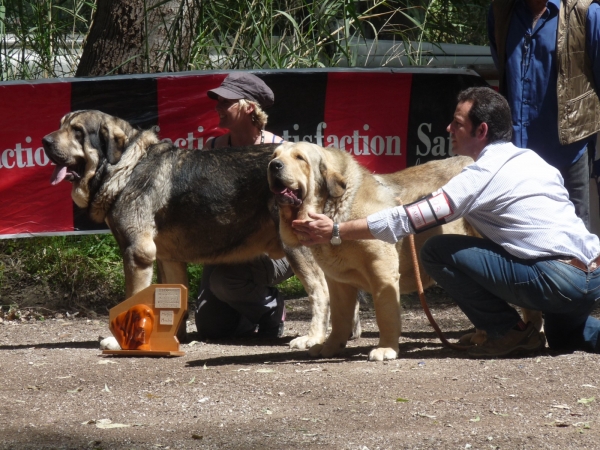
(244,85)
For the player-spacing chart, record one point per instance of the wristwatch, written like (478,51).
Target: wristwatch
(335,236)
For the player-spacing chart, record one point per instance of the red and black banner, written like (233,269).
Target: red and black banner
(387,118)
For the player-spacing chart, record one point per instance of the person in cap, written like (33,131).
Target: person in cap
(241,101)
(241,300)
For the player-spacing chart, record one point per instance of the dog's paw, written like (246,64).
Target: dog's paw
(109,343)
(315,350)
(305,342)
(383,354)
(332,348)
(328,349)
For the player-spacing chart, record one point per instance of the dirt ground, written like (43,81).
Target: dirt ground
(59,391)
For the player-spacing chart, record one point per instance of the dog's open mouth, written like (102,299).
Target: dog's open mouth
(286,196)
(69,173)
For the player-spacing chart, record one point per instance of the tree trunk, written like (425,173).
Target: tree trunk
(139,36)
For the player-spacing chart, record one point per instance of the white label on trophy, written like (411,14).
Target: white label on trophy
(167,298)
(167,318)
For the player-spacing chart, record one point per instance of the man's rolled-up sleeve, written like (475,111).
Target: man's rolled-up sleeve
(389,225)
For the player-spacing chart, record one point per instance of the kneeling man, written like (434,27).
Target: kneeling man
(536,253)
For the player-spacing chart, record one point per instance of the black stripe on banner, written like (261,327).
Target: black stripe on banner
(432,105)
(299,102)
(131,98)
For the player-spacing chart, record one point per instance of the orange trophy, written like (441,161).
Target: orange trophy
(146,324)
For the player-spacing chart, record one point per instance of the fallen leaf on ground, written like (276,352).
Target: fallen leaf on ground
(107,423)
(423,415)
(585,425)
(557,423)
(586,401)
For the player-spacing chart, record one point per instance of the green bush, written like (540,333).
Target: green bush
(84,272)
(79,271)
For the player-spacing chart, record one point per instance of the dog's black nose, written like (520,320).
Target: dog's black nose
(275,165)
(47,141)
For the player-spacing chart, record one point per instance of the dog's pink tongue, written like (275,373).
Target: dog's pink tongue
(59,174)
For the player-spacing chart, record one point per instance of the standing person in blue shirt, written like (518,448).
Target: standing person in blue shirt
(548,57)
(535,252)
(241,300)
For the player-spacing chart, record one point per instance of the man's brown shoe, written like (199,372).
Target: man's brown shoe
(528,340)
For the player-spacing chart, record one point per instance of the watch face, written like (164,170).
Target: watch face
(336,240)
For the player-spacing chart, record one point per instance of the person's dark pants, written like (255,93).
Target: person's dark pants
(577,183)
(485,281)
(234,298)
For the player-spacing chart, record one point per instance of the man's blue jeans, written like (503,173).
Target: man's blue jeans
(483,279)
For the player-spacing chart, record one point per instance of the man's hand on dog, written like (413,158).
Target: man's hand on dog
(316,230)
(319,228)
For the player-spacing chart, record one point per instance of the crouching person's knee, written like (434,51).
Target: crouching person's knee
(429,253)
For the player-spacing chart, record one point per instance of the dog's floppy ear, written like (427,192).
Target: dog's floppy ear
(334,181)
(113,141)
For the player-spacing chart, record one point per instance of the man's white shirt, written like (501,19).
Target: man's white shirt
(512,197)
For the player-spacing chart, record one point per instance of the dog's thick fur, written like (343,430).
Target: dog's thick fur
(176,205)
(306,178)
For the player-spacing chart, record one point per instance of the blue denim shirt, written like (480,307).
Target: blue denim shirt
(531,77)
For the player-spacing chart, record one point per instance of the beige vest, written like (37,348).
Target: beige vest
(578,103)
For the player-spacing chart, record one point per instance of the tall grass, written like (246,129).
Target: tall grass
(44,38)
(236,34)
(41,38)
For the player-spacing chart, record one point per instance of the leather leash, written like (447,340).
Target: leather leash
(413,250)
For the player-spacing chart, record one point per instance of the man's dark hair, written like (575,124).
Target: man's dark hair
(490,107)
